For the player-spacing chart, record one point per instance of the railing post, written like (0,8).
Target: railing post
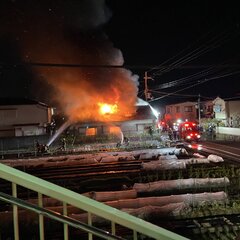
(134,235)
(113,226)
(90,236)
(65,226)
(41,220)
(15,213)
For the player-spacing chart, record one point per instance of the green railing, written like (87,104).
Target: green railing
(68,197)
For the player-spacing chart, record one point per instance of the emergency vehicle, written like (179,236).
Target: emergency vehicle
(189,131)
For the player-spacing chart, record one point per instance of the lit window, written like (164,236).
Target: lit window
(91,131)
(114,130)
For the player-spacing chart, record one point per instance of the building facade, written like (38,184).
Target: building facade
(137,124)
(23,117)
(227,111)
(189,111)
(183,111)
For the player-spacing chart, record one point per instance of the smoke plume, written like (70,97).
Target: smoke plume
(71,32)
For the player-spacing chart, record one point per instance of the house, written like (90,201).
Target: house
(188,110)
(137,124)
(183,111)
(227,111)
(23,117)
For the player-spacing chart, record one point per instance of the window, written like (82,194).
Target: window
(209,108)
(114,130)
(188,108)
(91,131)
(177,109)
(169,109)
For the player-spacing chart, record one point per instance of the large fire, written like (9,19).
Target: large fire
(106,108)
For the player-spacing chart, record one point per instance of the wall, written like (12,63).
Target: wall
(23,114)
(173,114)
(7,144)
(127,127)
(228,130)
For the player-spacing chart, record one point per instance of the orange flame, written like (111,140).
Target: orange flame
(106,108)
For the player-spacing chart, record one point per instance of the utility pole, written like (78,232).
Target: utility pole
(146,78)
(199,110)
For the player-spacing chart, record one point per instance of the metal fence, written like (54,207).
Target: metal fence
(69,198)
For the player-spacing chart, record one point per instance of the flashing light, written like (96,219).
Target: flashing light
(199,147)
(186,124)
(188,137)
(179,120)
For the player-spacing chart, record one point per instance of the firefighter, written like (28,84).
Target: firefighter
(37,146)
(126,141)
(175,132)
(63,144)
(170,133)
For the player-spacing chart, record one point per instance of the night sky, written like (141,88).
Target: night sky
(192,45)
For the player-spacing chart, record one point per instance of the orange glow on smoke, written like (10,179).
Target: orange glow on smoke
(108,108)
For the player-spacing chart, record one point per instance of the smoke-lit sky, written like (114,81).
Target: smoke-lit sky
(194,40)
(64,32)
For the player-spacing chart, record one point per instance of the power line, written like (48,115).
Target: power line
(195,53)
(179,53)
(195,76)
(206,80)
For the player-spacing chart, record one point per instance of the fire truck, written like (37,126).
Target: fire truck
(189,131)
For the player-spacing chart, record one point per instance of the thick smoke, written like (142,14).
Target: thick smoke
(71,33)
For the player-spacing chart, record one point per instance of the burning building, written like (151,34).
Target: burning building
(76,66)
(133,124)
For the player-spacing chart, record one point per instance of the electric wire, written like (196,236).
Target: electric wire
(179,53)
(207,72)
(194,54)
(204,81)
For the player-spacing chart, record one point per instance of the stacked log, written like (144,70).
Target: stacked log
(153,207)
(191,199)
(113,196)
(147,213)
(181,184)
(165,163)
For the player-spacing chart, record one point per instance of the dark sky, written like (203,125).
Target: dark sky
(150,33)
(188,41)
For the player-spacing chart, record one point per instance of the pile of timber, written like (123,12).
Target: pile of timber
(165,163)
(94,158)
(146,208)
(181,184)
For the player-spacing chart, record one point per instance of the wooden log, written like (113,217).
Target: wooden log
(112,196)
(163,165)
(147,213)
(181,184)
(191,199)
